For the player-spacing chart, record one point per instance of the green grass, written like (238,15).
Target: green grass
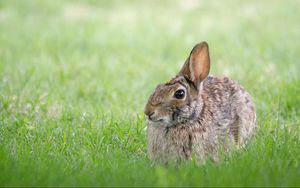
(76,75)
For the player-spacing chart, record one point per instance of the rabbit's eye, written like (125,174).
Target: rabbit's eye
(179,94)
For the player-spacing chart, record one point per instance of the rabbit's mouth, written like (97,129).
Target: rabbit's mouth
(174,118)
(164,122)
(158,120)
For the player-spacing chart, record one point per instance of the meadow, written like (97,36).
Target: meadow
(75,77)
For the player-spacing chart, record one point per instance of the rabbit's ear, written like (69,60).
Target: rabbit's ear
(197,66)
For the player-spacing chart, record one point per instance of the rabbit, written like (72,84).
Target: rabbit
(194,115)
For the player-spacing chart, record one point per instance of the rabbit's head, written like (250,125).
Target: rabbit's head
(178,101)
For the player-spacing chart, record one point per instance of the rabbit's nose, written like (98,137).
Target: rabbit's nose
(148,110)
(150,116)
(149,113)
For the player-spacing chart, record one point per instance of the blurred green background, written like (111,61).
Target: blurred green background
(76,75)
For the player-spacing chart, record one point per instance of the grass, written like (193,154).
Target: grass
(76,75)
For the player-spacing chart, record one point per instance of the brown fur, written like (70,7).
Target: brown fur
(215,113)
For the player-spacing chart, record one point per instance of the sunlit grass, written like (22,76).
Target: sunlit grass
(75,76)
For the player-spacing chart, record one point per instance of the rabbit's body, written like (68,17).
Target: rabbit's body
(225,119)
(195,115)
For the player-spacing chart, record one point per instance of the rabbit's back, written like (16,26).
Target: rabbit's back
(230,109)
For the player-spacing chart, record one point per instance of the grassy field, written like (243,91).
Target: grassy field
(75,77)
